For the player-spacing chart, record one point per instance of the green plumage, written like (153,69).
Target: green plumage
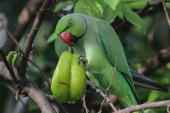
(102,48)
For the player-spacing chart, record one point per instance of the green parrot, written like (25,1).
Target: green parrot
(138,79)
(98,42)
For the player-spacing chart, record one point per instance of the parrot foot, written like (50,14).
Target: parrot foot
(90,84)
(84,60)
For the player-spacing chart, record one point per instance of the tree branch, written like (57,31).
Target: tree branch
(140,12)
(32,91)
(31,36)
(105,96)
(28,87)
(148,5)
(42,73)
(17,44)
(13,91)
(14,79)
(84,103)
(92,87)
(24,19)
(100,110)
(39,97)
(156,62)
(166,12)
(144,106)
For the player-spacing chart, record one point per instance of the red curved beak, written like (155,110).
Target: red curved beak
(66,37)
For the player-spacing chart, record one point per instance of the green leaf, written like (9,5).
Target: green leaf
(62,5)
(91,8)
(135,19)
(109,14)
(135,5)
(112,3)
(52,38)
(101,2)
(111,10)
(79,7)
(119,11)
(168,5)
(87,7)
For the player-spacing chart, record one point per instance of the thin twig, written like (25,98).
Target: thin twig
(140,12)
(144,106)
(168,108)
(84,103)
(155,62)
(28,86)
(13,76)
(91,87)
(148,5)
(24,20)
(100,110)
(33,92)
(14,79)
(8,86)
(32,34)
(107,99)
(166,12)
(17,44)
(13,91)
(52,99)
(41,71)
(10,35)
(61,106)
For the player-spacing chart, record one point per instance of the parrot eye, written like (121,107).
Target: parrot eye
(70,23)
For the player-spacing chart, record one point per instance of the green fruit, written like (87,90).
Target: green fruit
(69,79)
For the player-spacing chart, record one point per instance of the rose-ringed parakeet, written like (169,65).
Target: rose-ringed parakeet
(139,79)
(98,42)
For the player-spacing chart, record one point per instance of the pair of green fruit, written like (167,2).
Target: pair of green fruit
(69,79)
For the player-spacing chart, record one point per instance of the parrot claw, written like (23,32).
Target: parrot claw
(84,60)
(90,84)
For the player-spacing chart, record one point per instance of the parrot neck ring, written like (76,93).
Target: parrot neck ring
(86,25)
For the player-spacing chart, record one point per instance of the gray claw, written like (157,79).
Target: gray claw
(84,60)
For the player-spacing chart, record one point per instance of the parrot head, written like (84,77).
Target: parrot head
(71,27)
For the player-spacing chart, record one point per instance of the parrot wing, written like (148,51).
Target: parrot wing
(111,42)
(112,47)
